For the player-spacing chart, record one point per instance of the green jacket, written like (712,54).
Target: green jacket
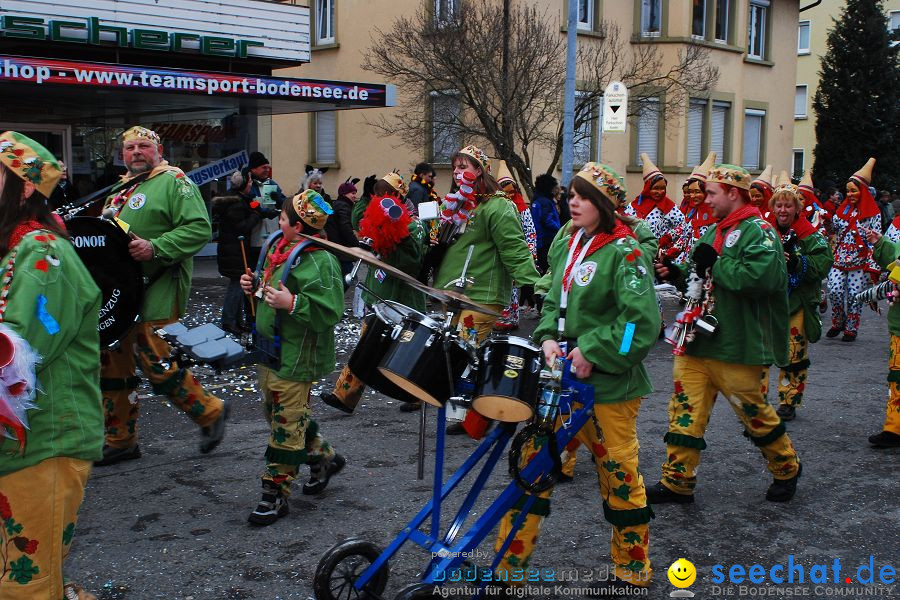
(612,312)
(68,421)
(408,257)
(307,335)
(750,289)
(500,254)
(167,210)
(886,252)
(816,252)
(645,237)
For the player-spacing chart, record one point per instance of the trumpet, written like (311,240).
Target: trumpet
(696,316)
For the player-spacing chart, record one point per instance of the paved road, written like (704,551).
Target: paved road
(173,524)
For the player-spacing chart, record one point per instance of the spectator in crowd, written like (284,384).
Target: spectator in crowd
(314,180)
(421,186)
(269,195)
(63,193)
(339,227)
(561,198)
(545,217)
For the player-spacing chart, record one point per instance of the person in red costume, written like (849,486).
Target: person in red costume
(653,205)
(761,190)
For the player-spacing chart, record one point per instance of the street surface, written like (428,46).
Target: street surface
(173,524)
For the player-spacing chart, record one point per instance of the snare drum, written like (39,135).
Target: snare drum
(508,379)
(417,360)
(103,248)
(374,344)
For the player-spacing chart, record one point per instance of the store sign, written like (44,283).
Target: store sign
(220,168)
(279,30)
(336,94)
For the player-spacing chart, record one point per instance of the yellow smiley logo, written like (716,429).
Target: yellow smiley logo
(682,573)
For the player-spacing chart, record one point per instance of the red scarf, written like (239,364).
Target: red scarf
(20,231)
(643,204)
(598,241)
(865,208)
(730,222)
(698,215)
(767,193)
(282,251)
(517,199)
(802,227)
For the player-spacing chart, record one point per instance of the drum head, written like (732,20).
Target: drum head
(103,248)
(393,312)
(503,408)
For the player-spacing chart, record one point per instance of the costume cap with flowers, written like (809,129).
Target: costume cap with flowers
(785,185)
(700,171)
(478,155)
(312,208)
(604,178)
(396,181)
(650,170)
(733,175)
(30,161)
(140,133)
(765,178)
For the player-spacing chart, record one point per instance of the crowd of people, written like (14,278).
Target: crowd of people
(750,255)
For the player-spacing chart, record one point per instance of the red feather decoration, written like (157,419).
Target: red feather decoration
(386,233)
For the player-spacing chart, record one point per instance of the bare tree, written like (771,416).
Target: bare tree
(500,71)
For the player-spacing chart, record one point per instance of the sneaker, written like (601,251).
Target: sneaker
(213,434)
(410,406)
(660,494)
(786,412)
(272,507)
(848,337)
(885,439)
(833,332)
(334,402)
(783,490)
(456,429)
(318,480)
(113,455)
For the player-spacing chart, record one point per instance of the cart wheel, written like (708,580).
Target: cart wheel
(341,566)
(416,591)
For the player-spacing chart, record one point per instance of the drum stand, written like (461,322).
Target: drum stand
(339,570)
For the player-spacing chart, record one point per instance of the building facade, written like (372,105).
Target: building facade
(812,37)
(746,117)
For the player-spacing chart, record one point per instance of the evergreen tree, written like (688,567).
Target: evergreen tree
(856,103)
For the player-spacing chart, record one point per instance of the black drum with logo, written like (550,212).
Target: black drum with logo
(507,382)
(103,248)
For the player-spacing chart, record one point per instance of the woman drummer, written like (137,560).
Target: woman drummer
(605,282)
(48,308)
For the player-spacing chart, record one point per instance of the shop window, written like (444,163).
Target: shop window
(723,14)
(798,162)
(325,137)
(647,122)
(800,101)
(698,19)
(446,11)
(754,123)
(651,18)
(803,37)
(756,36)
(324,22)
(445,138)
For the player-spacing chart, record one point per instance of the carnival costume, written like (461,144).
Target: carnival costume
(886,253)
(763,186)
(663,216)
(854,268)
(809,260)
(605,283)
(741,261)
(50,404)
(167,210)
(306,354)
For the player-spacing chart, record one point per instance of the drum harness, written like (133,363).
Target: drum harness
(269,351)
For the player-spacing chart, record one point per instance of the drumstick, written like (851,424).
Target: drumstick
(247,270)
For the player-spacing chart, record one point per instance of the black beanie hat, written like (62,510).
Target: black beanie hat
(257,159)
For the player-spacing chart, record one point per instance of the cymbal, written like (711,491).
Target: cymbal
(449,297)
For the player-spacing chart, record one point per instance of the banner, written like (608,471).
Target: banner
(224,166)
(56,72)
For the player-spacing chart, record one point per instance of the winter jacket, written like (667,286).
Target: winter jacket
(236,218)
(546,220)
(339,227)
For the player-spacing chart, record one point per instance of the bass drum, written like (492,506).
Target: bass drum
(103,248)
(374,343)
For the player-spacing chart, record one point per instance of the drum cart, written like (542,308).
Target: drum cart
(356,568)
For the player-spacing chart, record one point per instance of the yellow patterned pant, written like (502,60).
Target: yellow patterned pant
(38,511)
(792,379)
(612,439)
(697,381)
(118,384)
(892,415)
(294,438)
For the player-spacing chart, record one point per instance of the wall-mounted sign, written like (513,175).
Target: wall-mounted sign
(337,94)
(615,108)
(280,31)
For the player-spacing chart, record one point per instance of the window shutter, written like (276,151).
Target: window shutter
(648,130)
(719,123)
(696,110)
(753,123)
(326,137)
